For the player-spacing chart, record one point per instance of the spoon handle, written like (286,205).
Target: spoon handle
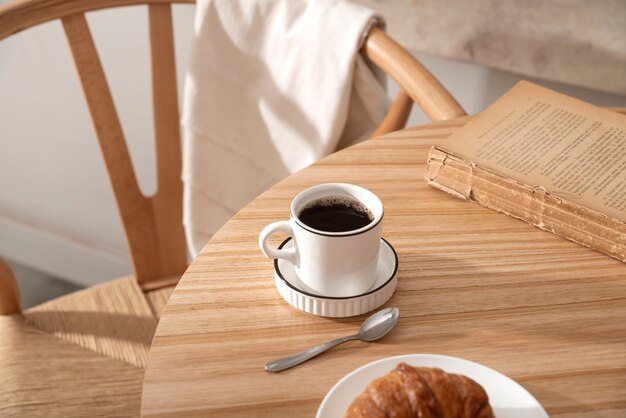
(295,359)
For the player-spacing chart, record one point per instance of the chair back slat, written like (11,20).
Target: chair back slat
(397,116)
(9,295)
(167,203)
(135,209)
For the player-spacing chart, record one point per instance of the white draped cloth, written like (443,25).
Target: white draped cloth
(272,86)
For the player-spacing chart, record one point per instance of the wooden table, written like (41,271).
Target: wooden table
(472,283)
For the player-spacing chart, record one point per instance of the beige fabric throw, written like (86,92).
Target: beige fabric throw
(272,86)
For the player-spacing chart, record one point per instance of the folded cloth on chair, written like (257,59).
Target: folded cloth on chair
(272,86)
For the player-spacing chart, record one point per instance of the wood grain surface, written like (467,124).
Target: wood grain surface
(472,283)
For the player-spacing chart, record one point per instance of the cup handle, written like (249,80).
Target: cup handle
(290,254)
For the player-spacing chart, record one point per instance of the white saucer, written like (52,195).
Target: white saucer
(303,298)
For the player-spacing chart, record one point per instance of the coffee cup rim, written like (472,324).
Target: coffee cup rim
(325,189)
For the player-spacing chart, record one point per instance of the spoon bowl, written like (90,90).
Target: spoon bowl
(378,325)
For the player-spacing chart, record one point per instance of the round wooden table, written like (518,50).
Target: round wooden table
(472,283)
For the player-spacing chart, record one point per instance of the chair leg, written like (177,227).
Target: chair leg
(9,295)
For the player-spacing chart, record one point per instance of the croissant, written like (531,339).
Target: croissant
(421,392)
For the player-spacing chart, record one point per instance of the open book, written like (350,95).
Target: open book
(553,161)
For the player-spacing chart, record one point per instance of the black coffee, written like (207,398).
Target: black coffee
(335,214)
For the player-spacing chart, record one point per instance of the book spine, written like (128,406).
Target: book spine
(465,180)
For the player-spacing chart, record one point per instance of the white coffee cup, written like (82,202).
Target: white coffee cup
(336,264)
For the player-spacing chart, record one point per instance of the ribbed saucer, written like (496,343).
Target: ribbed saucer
(293,292)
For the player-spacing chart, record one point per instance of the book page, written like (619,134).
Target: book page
(544,139)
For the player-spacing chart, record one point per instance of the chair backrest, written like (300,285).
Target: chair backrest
(153,224)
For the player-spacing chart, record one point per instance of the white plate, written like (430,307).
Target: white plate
(507,398)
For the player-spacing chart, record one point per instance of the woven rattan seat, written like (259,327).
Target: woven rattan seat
(42,375)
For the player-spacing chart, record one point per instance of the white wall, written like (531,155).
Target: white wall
(57,212)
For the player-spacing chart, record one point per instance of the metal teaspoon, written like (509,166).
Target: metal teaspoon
(372,329)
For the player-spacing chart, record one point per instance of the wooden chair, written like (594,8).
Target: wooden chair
(84,353)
